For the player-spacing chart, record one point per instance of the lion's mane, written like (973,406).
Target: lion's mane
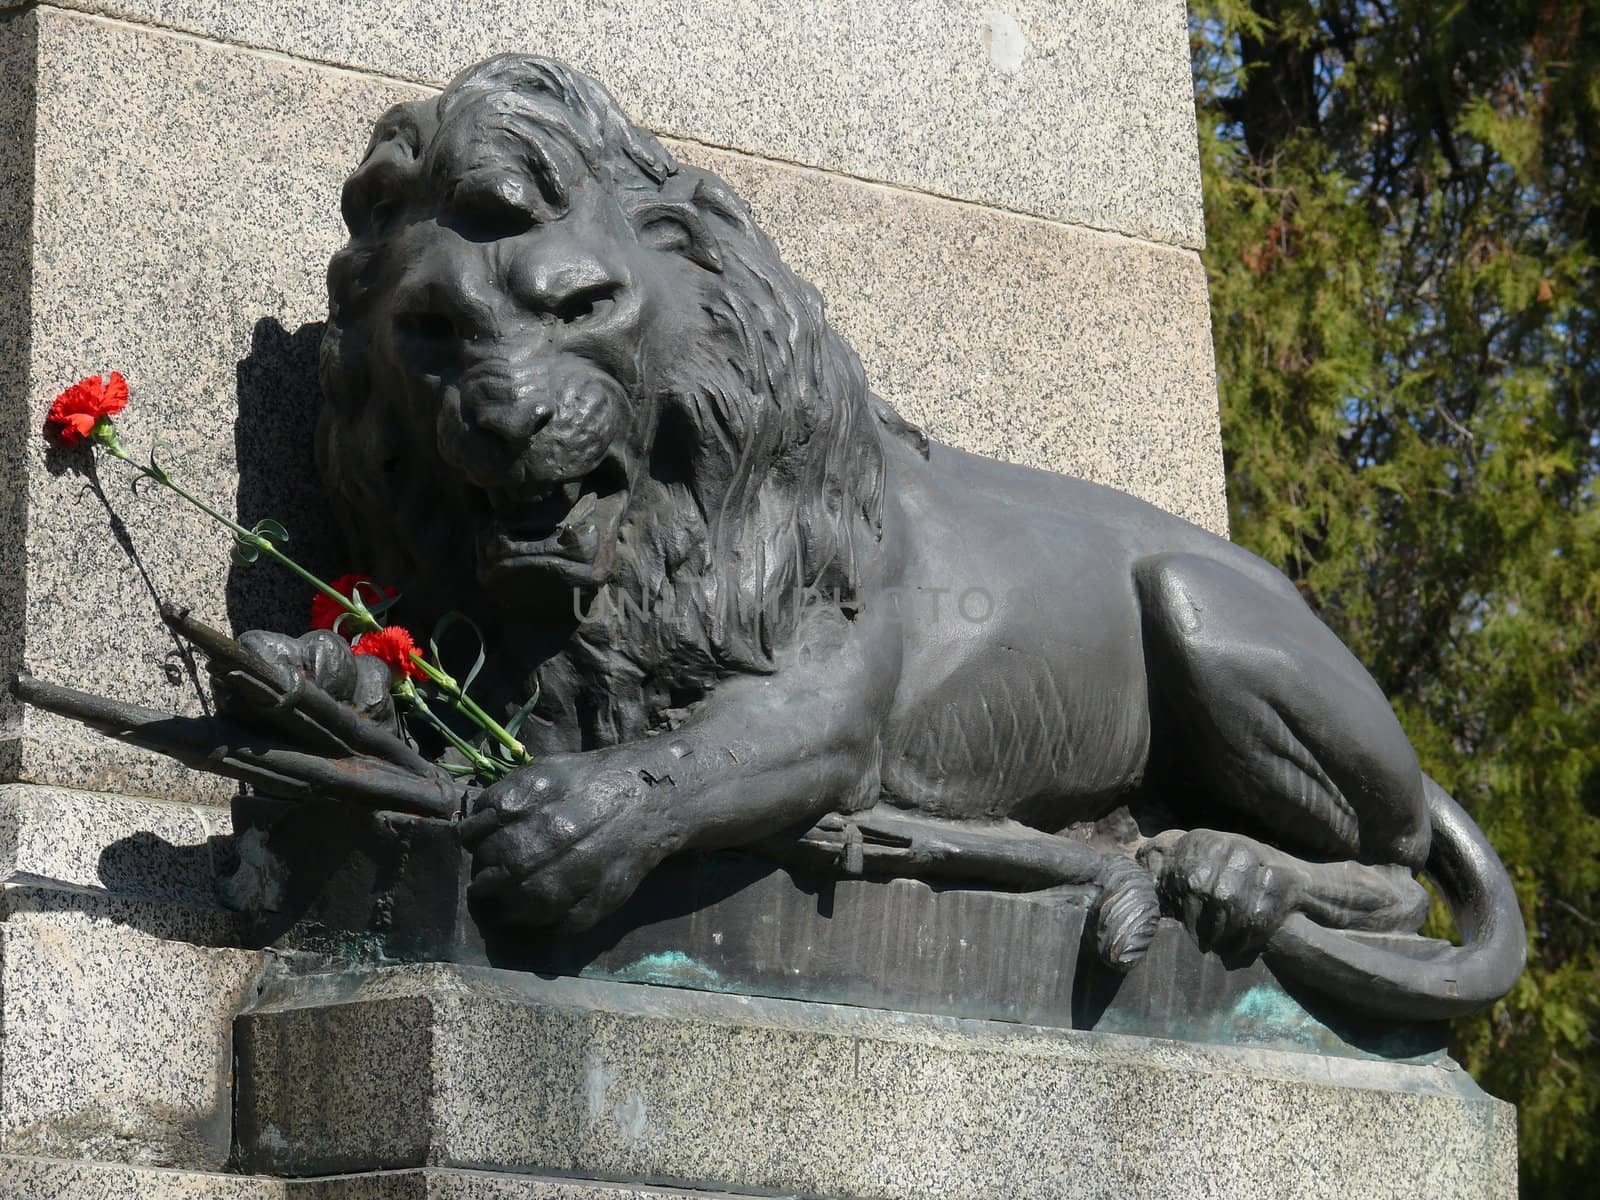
(767,460)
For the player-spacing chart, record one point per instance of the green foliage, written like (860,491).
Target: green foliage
(1403,208)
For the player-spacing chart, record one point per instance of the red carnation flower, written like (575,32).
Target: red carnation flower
(394,646)
(77,410)
(326,611)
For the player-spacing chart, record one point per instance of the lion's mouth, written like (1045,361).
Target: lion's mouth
(572,521)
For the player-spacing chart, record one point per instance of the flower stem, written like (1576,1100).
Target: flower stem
(363,618)
(105,432)
(486,767)
(246,536)
(468,707)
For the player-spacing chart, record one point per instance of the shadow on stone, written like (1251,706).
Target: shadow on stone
(146,864)
(146,884)
(278,398)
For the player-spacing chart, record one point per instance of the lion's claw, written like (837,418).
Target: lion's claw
(1231,891)
(1127,924)
(1126,918)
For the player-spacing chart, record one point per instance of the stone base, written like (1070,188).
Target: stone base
(369,890)
(25,1178)
(117,1045)
(118,988)
(60,1179)
(484,1185)
(478,1068)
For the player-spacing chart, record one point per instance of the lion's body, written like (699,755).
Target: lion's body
(1037,678)
(1025,690)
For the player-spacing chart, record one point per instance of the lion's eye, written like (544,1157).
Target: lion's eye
(581,306)
(427,327)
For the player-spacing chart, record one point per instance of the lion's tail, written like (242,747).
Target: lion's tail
(1422,979)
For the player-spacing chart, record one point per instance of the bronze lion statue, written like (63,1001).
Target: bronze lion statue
(561,365)
(573,391)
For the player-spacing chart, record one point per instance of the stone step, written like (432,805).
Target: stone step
(27,1178)
(453,1066)
(124,843)
(118,1046)
(29,901)
(434,1184)
(93,860)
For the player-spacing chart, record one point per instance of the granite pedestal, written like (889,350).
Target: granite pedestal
(368,890)
(460,1067)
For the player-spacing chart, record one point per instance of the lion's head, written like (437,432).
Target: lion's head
(558,359)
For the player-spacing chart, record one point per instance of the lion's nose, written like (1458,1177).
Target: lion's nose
(539,417)
(512,416)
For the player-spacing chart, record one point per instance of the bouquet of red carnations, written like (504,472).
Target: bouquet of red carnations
(351,606)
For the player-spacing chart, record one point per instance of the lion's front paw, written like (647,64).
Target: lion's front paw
(1232,892)
(562,843)
(319,659)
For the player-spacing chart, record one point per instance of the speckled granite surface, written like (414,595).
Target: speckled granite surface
(1082,111)
(431,1184)
(153,849)
(1033,342)
(452,1066)
(25,1178)
(185,207)
(90,860)
(117,1045)
(28,1178)
(118,988)
(18,46)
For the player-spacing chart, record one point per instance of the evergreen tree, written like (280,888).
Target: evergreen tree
(1403,211)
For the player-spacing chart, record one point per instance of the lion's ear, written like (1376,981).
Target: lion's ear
(676,227)
(377,188)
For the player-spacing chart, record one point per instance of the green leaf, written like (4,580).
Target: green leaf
(382,605)
(445,624)
(514,725)
(156,468)
(272,531)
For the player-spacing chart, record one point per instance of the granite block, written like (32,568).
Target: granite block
(118,1046)
(1064,349)
(27,1178)
(86,860)
(150,849)
(1082,112)
(27,903)
(430,1184)
(631,1082)
(18,51)
(185,201)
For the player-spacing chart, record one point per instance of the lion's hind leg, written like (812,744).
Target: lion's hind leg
(1270,725)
